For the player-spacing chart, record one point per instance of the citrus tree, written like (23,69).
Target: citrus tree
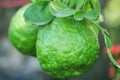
(62,34)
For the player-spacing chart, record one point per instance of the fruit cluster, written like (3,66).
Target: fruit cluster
(64,39)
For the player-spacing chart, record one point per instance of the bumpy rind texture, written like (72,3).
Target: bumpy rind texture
(67,48)
(21,34)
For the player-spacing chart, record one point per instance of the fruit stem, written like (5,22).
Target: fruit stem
(104,31)
(112,59)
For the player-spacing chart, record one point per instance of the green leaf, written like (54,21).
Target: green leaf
(32,0)
(72,3)
(79,15)
(37,0)
(87,6)
(92,15)
(38,13)
(76,3)
(79,4)
(107,41)
(95,5)
(59,9)
(65,1)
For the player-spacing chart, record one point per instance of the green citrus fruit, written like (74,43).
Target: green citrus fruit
(23,35)
(67,48)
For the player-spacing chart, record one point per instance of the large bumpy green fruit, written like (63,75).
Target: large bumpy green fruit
(23,35)
(67,48)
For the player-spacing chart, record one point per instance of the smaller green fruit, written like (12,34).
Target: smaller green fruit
(21,34)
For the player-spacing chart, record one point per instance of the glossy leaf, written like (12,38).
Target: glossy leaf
(32,0)
(38,13)
(79,15)
(91,15)
(59,9)
(72,3)
(79,4)
(96,5)
(87,6)
(37,0)
(65,1)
